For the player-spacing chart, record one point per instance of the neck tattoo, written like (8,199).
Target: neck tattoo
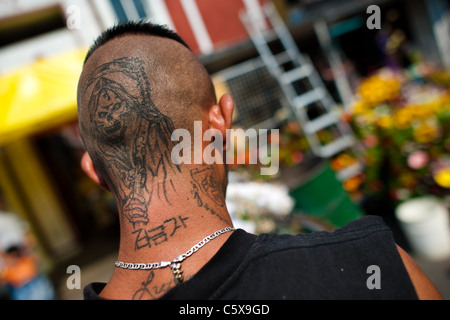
(175,264)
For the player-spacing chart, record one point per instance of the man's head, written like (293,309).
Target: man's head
(139,83)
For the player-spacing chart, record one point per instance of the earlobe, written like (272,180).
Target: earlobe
(89,169)
(220,116)
(227,106)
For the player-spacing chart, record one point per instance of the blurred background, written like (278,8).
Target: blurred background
(358,90)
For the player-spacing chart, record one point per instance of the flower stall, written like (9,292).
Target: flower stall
(403,123)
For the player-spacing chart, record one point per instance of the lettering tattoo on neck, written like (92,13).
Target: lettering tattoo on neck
(151,238)
(144,290)
(132,136)
(148,290)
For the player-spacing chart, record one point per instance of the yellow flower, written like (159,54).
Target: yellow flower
(377,89)
(442,178)
(403,118)
(422,111)
(385,122)
(425,133)
(359,107)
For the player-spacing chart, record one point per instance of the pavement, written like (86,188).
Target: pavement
(98,271)
(438,272)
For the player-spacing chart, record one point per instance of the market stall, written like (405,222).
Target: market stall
(36,99)
(39,96)
(403,121)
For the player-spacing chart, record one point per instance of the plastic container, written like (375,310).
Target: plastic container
(320,194)
(425,223)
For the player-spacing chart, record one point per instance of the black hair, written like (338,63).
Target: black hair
(134,27)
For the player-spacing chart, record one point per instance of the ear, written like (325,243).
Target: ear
(89,169)
(220,116)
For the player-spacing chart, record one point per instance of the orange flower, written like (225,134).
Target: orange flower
(352,184)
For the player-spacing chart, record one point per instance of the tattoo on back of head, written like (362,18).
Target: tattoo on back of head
(130,135)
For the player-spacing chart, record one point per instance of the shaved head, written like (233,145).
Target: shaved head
(136,88)
(177,82)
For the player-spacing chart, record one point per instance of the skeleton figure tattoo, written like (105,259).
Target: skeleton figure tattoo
(132,135)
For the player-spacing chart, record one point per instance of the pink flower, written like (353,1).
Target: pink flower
(297,157)
(371,141)
(418,159)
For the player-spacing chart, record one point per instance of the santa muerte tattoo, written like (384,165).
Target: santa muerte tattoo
(131,135)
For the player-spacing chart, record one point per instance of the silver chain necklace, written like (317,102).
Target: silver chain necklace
(175,264)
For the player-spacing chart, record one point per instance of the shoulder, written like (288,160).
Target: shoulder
(424,287)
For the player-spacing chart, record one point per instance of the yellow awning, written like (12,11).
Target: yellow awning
(39,96)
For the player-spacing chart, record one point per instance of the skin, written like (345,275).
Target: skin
(424,287)
(164,209)
(126,121)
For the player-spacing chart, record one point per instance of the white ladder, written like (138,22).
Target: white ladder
(267,29)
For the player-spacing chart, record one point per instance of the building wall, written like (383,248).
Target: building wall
(206,25)
(50,43)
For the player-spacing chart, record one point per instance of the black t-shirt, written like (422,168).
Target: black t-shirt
(358,261)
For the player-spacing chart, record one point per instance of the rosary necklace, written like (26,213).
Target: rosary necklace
(175,264)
